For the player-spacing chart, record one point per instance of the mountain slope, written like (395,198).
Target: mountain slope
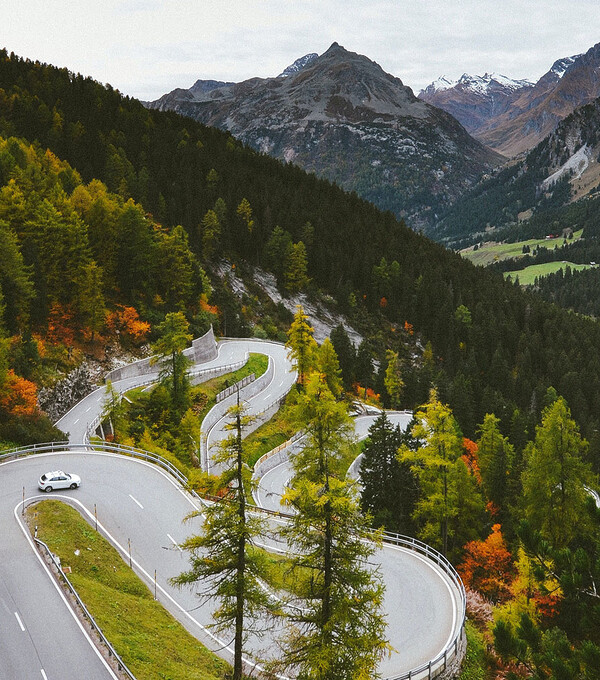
(512,122)
(344,118)
(562,168)
(497,355)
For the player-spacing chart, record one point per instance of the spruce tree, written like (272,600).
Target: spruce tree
(389,488)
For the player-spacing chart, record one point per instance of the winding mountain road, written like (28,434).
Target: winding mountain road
(40,636)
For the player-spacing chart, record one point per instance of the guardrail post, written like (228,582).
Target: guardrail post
(445,659)
(429,675)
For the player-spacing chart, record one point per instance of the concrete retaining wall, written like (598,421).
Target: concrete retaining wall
(203,349)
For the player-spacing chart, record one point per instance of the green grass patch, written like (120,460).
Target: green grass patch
(528,275)
(490,252)
(474,665)
(257,364)
(274,432)
(152,643)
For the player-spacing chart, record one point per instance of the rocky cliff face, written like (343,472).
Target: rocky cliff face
(517,121)
(341,116)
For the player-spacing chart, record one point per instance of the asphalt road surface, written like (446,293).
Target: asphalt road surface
(41,638)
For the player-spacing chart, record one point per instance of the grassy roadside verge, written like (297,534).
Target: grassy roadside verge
(151,642)
(274,432)
(257,364)
(474,665)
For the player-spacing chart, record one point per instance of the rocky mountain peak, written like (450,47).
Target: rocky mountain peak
(343,117)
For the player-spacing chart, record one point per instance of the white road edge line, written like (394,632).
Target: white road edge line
(135,500)
(149,578)
(20,622)
(44,674)
(60,592)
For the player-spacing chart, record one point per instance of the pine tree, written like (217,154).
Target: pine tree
(446,485)
(346,354)
(224,557)
(328,365)
(336,630)
(556,479)
(91,299)
(301,344)
(168,350)
(210,230)
(296,270)
(495,455)
(393,378)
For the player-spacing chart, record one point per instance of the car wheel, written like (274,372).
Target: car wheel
(73,486)
(48,489)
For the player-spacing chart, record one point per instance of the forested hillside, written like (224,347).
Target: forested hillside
(488,346)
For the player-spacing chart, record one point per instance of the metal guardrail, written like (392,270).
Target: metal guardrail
(429,670)
(112,652)
(21,451)
(223,394)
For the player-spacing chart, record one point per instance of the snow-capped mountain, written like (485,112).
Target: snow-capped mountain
(512,116)
(559,68)
(298,65)
(482,85)
(473,99)
(344,118)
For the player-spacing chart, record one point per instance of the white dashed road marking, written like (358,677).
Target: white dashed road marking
(20,622)
(135,500)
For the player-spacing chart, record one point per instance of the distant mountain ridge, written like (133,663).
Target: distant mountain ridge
(343,117)
(562,169)
(474,100)
(512,119)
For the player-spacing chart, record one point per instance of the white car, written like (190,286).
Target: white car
(58,480)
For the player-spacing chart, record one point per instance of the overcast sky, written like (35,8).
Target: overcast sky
(148,47)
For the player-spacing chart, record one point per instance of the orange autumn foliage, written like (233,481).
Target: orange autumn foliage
(18,397)
(548,605)
(368,395)
(60,329)
(470,458)
(127,322)
(408,327)
(487,566)
(205,307)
